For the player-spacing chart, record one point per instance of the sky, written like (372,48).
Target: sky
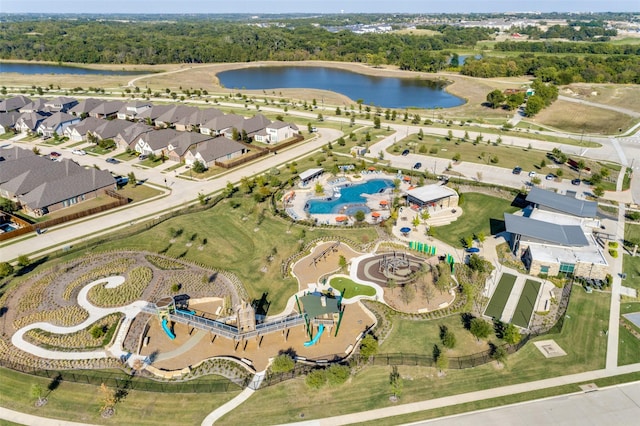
(313,6)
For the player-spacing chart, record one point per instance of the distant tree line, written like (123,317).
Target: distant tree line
(623,69)
(88,41)
(568,47)
(575,31)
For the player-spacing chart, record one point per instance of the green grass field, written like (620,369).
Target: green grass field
(631,265)
(526,304)
(500,296)
(481,213)
(350,288)
(628,347)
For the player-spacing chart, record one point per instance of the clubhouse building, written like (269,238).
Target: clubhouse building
(555,234)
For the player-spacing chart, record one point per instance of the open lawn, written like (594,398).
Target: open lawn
(139,192)
(82,403)
(577,118)
(582,338)
(481,213)
(237,236)
(500,296)
(349,289)
(621,95)
(526,304)
(628,347)
(632,269)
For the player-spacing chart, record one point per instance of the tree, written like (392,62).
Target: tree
(598,191)
(511,335)
(198,167)
(368,346)
(499,353)
(456,157)
(342,262)
(359,215)
(132,179)
(108,399)
(337,374)
(7,205)
(392,284)
(37,391)
(407,293)
(450,135)
(442,362)
(282,364)
(415,221)
(316,379)
(5,269)
(23,260)
(319,189)
(495,98)
(202,198)
(534,106)
(395,381)
(479,328)
(420,134)
(376,122)
(447,337)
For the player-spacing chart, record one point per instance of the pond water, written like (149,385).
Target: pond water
(22,68)
(386,92)
(350,199)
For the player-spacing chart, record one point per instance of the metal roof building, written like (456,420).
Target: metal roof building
(565,235)
(550,200)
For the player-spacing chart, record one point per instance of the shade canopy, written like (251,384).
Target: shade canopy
(375,214)
(405,230)
(341,218)
(383,202)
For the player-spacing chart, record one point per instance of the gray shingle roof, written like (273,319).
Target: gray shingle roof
(13,104)
(182,142)
(107,108)
(57,119)
(566,235)
(8,119)
(89,124)
(159,139)
(132,133)
(24,174)
(562,203)
(85,106)
(111,128)
(223,122)
(13,153)
(219,147)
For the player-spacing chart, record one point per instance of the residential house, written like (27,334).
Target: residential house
(249,126)
(108,109)
(40,185)
(155,142)
(36,106)
(176,115)
(150,115)
(80,131)
(84,107)
(30,121)
(14,104)
(218,125)
(275,132)
(60,104)
(110,129)
(128,136)
(8,121)
(13,153)
(179,145)
(131,109)
(56,123)
(218,149)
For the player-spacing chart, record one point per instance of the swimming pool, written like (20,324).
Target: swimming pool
(350,197)
(7,227)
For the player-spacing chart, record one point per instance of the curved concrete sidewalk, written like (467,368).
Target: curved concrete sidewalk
(95,313)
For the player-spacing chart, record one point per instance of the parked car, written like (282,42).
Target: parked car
(54,155)
(575,182)
(112,160)
(79,152)
(417,166)
(550,176)
(143,157)
(517,170)
(532,174)
(122,180)
(405,152)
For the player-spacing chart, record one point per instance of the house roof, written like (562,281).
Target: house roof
(32,119)
(310,173)
(34,106)
(111,128)
(107,108)
(566,235)
(181,143)
(8,119)
(154,112)
(14,103)
(254,124)
(56,191)
(429,193)
(60,101)
(24,174)
(219,147)
(13,153)
(176,114)
(89,124)
(85,106)
(57,119)
(224,122)
(562,203)
(280,125)
(159,139)
(132,132)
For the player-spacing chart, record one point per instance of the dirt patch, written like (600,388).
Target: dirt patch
(578,118)
(309,272)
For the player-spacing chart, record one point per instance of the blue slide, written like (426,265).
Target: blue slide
(167,330)
(316,338)
(182,311)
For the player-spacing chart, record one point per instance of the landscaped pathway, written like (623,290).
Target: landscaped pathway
(95,313)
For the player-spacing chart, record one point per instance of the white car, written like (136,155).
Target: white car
(532,174)
(79,152)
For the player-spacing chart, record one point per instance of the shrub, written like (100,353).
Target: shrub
(613,244)
(97,331)
(337,374)
(282,364)
(368,346)
(316,379)
(613,253)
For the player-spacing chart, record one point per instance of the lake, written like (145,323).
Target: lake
(23,68)
(386,92)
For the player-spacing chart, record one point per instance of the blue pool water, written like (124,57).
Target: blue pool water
(6,227)
(350,197)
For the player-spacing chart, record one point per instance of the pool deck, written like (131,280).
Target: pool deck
(295,206)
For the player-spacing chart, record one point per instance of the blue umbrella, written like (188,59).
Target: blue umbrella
(405,230)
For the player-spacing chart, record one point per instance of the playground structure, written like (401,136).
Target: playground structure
(322,310)
(321,256)
(238,328)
